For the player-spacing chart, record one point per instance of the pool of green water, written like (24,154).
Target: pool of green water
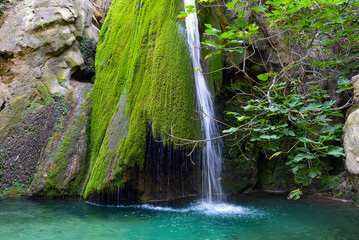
(250,217)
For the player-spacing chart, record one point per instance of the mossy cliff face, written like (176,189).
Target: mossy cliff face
(143,78)
(63,165)
(40,52)
(40,49)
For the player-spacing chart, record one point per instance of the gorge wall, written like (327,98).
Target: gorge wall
(42,58)
(122,135)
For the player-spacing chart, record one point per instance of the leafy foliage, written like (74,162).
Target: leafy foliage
(88,50)
(3,6)
(287,112)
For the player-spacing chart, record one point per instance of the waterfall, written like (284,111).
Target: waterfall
(212,157)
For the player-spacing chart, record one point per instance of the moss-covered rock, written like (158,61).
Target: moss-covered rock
(141,52)
(12,114)
(63,166)
(40,55)
(23,146)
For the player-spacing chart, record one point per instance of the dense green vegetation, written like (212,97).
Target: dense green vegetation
(139,83)
(286,108)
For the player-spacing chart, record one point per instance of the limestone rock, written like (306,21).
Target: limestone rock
(40,42)
(351,137)
(40,52)
(64,158)
(351,145)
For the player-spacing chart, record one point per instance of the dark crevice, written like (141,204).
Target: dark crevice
(2,107)
(262,164)
(126,195)
(83,76)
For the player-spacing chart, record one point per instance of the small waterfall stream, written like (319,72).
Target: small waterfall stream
(212,157)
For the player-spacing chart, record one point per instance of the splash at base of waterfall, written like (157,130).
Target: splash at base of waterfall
(206,208)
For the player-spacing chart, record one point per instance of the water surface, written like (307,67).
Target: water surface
(255,216)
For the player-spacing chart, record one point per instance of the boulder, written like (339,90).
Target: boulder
(351,136)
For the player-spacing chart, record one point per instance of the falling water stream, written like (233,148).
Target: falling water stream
(212,159)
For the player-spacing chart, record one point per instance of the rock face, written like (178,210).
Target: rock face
(351,137)
(350,179)
(64,165)
(41,50)
(39,41)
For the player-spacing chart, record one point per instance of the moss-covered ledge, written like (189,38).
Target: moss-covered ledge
(143,77)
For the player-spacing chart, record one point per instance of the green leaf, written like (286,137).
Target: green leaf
(295,169)
(241,118)
(299,157)
(335,151)
(295,194)
(263,77)
(230,5)
(248,107)
(232,113)
(312,173)
(231,130)
(268,137)
(208,25)
(288,132)
(306,140)
(258,9)
(275,155)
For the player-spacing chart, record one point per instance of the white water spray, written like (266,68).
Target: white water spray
(212,156)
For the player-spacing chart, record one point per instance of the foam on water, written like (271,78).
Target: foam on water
(207,208)
(219,209)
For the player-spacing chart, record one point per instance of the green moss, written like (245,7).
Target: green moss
(2,20)
(61,75)
(70,60)
(63,170)
(12,192)
(142,50)
(13,114)
(44,90)
(19,103)
(77,187)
